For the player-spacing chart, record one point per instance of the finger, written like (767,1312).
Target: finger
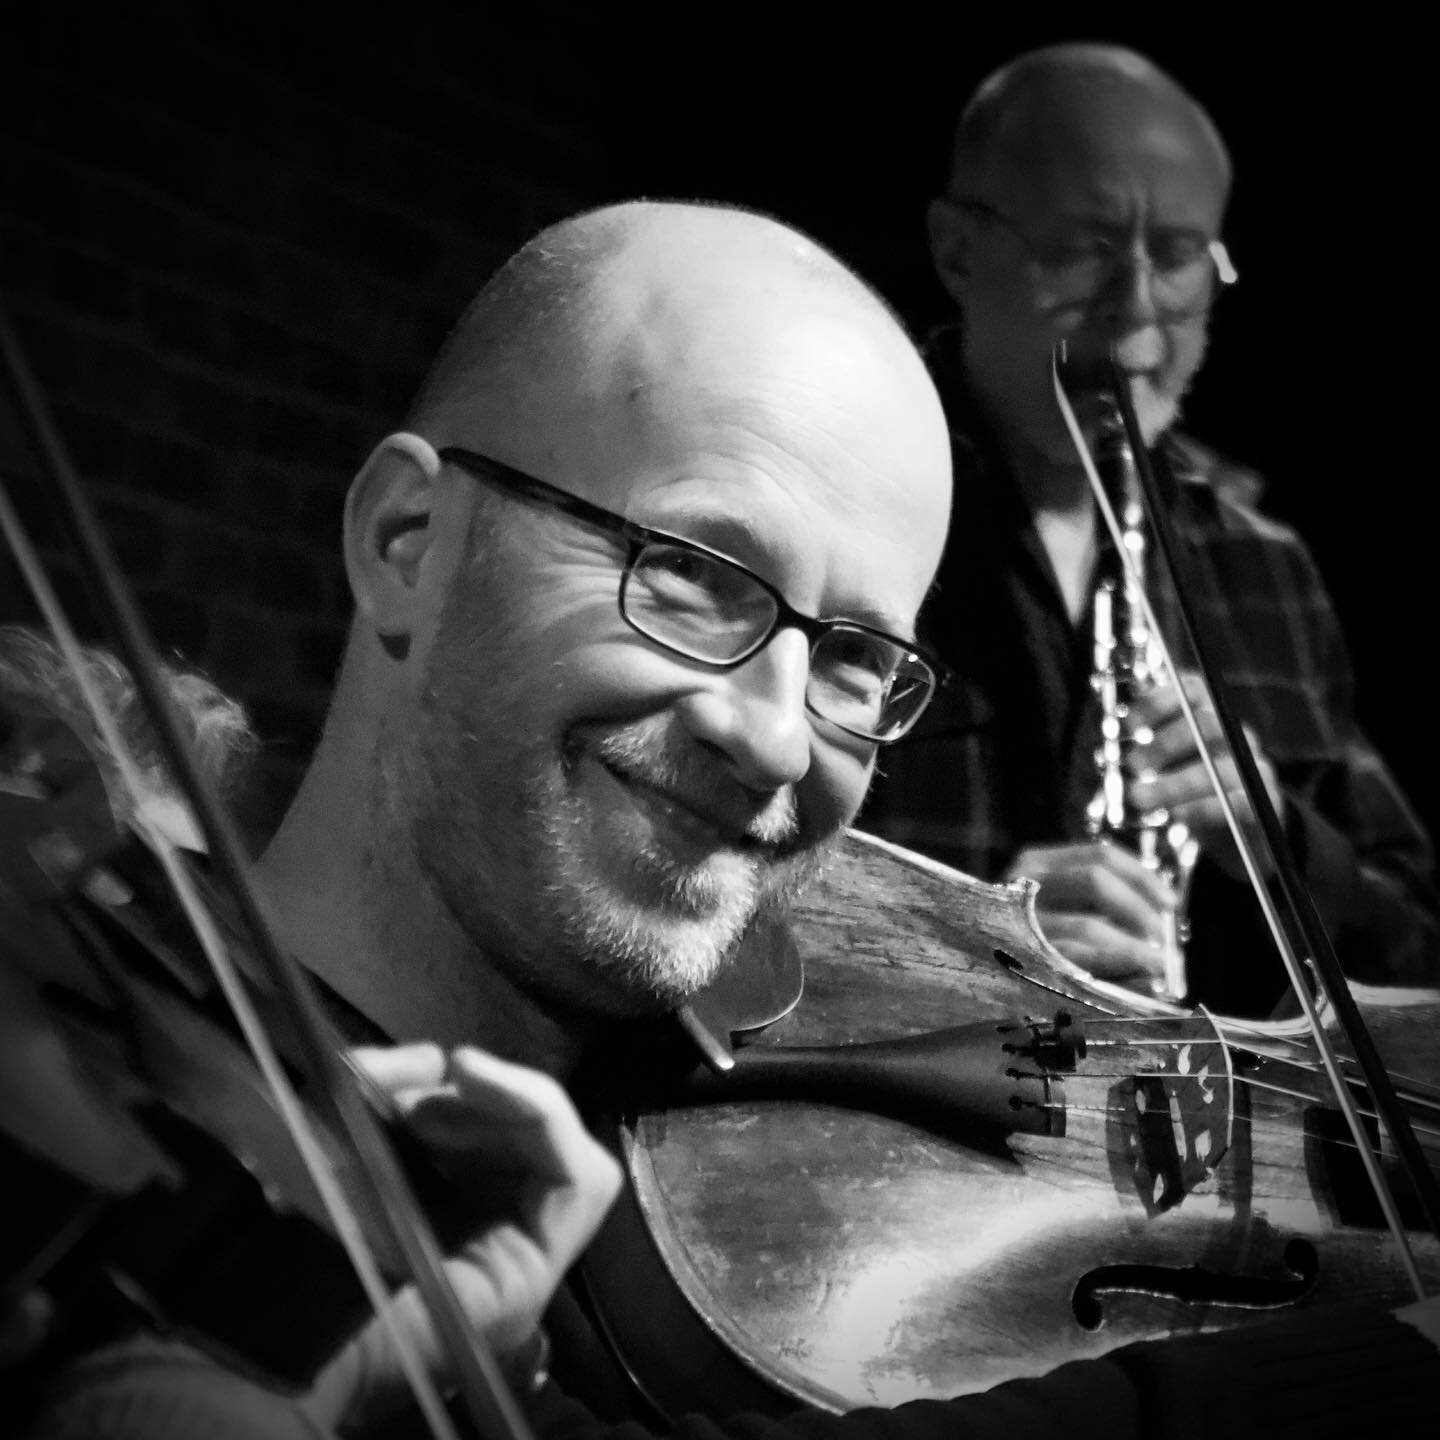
(1173,742)
(1155,706)
(1035,862)
(565,1220)
(1111,882)
(1190,797)
(1110,954)
(1073,858)
(531,1110)
(394,1068)
(1160,704)
(1186,785)
(1122,911)
(510,1115)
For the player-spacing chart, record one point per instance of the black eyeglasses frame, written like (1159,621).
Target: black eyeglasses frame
(1223,271)
(637,537)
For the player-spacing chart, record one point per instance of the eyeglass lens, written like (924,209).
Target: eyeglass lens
(1176,282)
(711,609)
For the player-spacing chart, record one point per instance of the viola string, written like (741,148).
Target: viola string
(1253,1081)
(1421,1129)
(1343,1142)
(1417,1127)
(1267,1123)
(1145,1041)
(1418,1092)
(1130,1075)
(1254,1123)
(1072,1109)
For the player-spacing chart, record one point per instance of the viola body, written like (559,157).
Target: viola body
(773,1250)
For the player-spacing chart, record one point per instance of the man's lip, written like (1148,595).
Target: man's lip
(726,832)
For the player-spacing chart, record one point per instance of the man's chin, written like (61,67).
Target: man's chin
(643,964)
(656,953)
(1155,412)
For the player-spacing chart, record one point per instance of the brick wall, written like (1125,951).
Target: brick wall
(230,245)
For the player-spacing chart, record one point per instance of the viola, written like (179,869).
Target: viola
(869,1249)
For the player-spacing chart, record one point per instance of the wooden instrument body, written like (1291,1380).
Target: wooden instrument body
(851,1259)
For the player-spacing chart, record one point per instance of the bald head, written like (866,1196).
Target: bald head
(1051,106)
(616,279)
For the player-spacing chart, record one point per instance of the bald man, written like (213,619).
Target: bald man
(1085,203)
(586,725)
(588,722)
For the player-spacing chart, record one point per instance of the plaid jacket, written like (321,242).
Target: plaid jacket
(1005,755)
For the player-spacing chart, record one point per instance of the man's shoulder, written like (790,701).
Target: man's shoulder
(1235,491)
(1193,461)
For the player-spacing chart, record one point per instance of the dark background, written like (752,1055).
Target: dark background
(231,240)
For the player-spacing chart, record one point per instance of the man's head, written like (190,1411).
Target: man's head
(1086,192)
(596,812)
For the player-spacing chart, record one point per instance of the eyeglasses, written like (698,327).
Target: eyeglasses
(700,604)
(1186,272)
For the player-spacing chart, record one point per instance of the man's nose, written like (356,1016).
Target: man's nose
(755,714)
(1130,294)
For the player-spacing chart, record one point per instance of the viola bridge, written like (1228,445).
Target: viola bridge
(1170,1122)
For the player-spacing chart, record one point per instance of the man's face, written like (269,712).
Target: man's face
(604,817)
(1135,183)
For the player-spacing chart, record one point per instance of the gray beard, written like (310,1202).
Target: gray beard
(559,932)
(662,953)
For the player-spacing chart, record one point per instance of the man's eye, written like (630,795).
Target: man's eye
(1175,252)
(1075,253)
(685,577)
(858,666)
(682,567)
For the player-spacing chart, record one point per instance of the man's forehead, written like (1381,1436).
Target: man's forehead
(794,419)
(1086,147)
(788,361)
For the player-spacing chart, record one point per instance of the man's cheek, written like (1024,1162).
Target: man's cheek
(829,797)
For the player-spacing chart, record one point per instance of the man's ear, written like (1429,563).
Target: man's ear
(950,246)
(391,531)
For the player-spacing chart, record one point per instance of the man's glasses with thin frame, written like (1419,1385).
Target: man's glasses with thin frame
(703,605)
(1186,277)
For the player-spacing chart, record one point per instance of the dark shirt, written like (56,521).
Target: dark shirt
(1005,756)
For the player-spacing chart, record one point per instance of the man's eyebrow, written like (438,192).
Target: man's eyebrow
(738,536)
(1102,219)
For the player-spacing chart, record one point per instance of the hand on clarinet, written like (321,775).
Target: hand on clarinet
(1167,772)
(1100,908)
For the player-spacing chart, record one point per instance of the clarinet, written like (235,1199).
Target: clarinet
(1129,662)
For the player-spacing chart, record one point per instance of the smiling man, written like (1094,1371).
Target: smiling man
(588,722)
(1085,203)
